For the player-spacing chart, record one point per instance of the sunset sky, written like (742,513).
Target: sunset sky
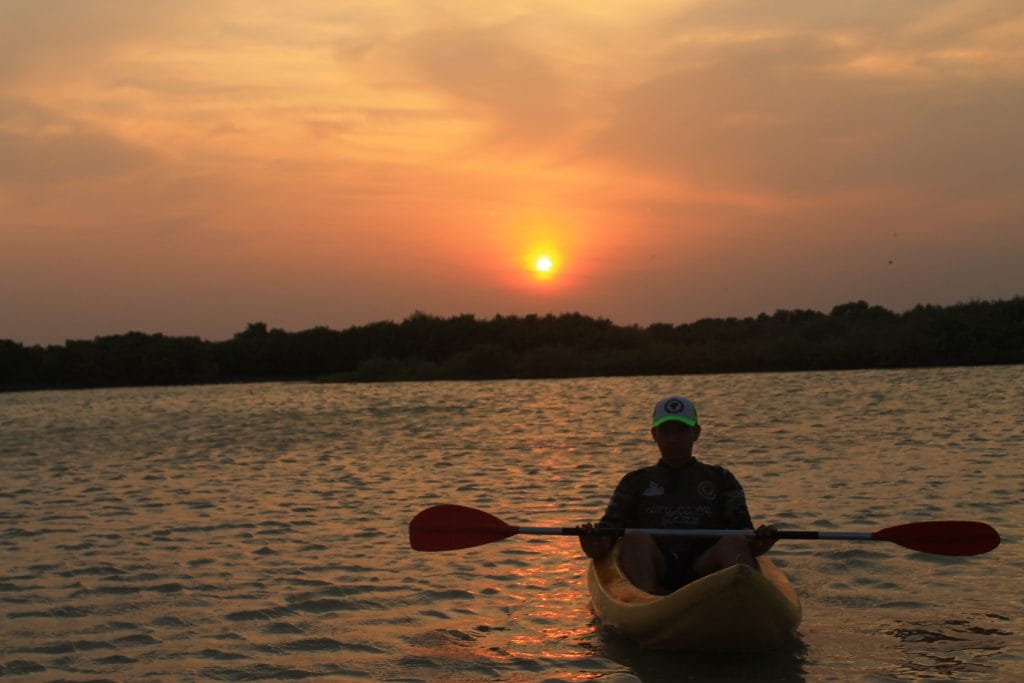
(189,167)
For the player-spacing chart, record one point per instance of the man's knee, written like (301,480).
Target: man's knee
(642,560)
(735,550)
(734,544)
(726,552)
(640,545)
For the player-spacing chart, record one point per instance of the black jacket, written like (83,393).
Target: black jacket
(695,496)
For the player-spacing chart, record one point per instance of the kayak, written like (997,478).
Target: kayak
(736,609)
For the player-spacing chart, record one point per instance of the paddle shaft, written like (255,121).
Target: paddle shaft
(694,533)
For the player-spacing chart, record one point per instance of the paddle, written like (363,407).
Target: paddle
(452,527)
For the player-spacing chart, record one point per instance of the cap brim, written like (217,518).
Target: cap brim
(675,418)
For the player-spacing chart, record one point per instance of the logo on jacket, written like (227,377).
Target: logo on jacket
(654,489)
(707,490)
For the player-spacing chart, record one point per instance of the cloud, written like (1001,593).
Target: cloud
(64,40)
(783,115)
(56,149)
(490,71)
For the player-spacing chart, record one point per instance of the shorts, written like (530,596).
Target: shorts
(678,568)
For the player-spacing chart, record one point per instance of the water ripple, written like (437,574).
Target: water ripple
(258,532)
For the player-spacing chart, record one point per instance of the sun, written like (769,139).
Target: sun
(543,264)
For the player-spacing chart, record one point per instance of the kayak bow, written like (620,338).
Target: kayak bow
(737,609)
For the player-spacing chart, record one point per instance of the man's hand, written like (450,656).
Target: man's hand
(766,536)
(593,545)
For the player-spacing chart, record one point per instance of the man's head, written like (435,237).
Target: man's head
(675,428)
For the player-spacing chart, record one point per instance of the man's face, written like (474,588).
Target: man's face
(675,441)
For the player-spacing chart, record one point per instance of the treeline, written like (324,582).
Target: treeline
(425,347)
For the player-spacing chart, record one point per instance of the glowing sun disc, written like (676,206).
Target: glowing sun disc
(543,265)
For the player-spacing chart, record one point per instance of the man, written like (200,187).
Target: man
(679,492)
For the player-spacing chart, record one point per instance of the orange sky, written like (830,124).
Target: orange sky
(189,167)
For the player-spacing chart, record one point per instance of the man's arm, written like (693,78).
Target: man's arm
(734,503)
(616,516)
(738,516)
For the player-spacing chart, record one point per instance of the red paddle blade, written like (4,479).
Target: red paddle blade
(942,538)
(451,527)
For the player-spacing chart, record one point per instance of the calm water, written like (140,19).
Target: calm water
(259,531)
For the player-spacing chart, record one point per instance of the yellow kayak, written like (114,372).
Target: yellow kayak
(733,610)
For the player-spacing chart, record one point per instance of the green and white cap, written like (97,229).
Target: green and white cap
(675,409)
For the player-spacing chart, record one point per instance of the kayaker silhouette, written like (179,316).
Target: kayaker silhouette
(678,492)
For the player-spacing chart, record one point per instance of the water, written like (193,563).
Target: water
(252,532)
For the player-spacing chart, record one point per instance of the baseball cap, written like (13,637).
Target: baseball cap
(675,408)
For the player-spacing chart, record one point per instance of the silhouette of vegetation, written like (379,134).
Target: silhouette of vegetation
(425,347)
